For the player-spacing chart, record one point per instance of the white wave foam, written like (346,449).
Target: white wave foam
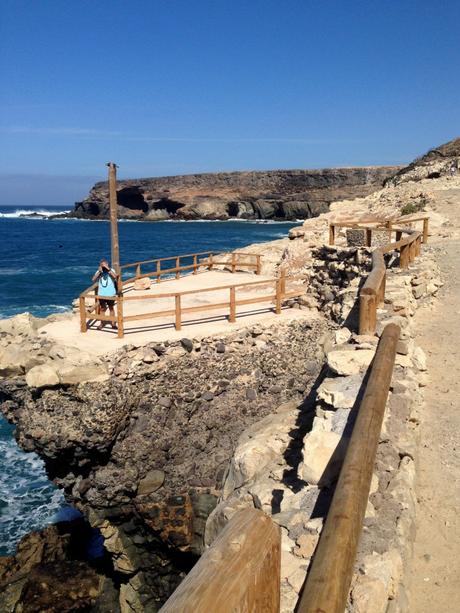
(31,213)
(28,500)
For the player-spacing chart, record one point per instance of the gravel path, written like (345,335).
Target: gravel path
(435,580)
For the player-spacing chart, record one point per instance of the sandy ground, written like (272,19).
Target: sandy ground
(208,322)
(435,582)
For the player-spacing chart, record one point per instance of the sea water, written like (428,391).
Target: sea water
(44,264)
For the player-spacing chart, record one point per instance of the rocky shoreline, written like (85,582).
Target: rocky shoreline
(274,194)
(158,445)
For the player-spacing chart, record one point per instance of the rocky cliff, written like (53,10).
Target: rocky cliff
(276,194)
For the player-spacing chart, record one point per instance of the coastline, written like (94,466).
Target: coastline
(140,377)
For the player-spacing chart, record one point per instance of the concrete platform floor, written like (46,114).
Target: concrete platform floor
(205,323)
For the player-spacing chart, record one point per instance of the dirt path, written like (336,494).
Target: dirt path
(435,582)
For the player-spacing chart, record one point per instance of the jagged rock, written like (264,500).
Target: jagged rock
(16,360)
(72,375)
(259,445)
(322,457)
(42,376)
(282,194)
(349,361)
(419,358)
(152,481)
(340,392)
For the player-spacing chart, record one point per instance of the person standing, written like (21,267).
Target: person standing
(106,279)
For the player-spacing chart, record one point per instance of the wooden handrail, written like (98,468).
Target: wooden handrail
(240,572)
(328,581)
(186,255)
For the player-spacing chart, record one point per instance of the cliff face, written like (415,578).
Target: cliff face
(277,194)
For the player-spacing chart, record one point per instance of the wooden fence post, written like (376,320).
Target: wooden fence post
(404,257)
(425,230)
(328,580)
(83,326)
(331,234)
(283,282)
(195,265)
(233,262)
(398,235)
(178,313)
(258,267)
(138,270)
(210,261)
(278,297)
(158,271)
(367,312)
(120,325)
(390,229)
(368,237)
(232,317)
(239,572)
(177,267)
(381,294)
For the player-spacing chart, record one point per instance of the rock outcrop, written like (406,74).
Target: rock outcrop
(274,194)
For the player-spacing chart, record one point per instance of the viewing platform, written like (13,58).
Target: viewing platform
(199,294)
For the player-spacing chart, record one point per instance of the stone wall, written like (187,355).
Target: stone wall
(287,464)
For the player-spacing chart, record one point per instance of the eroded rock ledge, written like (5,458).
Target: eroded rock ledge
(144,453)
(273,194)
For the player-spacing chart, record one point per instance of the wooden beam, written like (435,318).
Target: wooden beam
(178,313)
(115,255)
(232,317)
(83,327)
(240,572)
(331,234)
(120,325)
(328,581)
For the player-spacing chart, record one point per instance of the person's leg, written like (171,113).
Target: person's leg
(102,310)
(112,314)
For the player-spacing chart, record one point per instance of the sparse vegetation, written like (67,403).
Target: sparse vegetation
(414,207)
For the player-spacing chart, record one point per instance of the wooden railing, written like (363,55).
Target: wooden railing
(329,577)
(372,293)
(205,259)
(278,294)
(239,573)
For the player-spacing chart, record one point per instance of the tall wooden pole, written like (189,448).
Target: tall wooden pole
(115,255)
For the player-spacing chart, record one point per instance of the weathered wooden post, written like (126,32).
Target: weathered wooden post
(425,230)
(83,327)
(158,271)
(283,282)
(331,234)
(278,297)
(404,256)
(368,237)
(177,267)
(233,262)
(120,325)
(367,311)
(195,265)
(258,265)
(232,317)
(178,313)
(115,251)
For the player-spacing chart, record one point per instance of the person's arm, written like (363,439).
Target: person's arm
(96,275)
(113,274)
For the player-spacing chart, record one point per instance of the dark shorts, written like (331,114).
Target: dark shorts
(106,304)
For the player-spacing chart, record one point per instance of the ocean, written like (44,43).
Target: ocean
(44,264)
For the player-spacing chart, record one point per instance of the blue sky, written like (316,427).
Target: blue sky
(172,86)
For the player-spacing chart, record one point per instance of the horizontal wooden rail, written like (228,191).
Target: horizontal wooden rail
(240,572)
(280,295)
(372,293)
(328,581)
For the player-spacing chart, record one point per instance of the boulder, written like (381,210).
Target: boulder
(16,360)
(323,453)
(152,481)
(340,392)
(42,376)
(72,375)
(419,358)
(349,361)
